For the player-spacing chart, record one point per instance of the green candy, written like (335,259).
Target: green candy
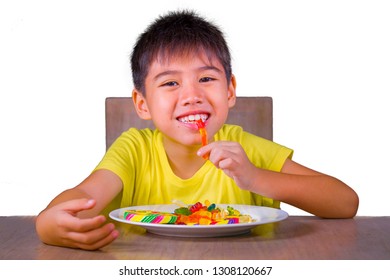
(211,207)
(183,211)
(230,210)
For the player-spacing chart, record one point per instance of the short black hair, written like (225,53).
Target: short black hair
(177,33)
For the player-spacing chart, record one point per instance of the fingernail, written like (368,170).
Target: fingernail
(115,233)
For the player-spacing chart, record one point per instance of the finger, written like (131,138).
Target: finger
(101,243)
(86,224)
(227,163)
(77,205)
(218,156)
(95,238)
(204,150)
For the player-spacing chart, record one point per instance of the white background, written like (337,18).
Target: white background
(325,63)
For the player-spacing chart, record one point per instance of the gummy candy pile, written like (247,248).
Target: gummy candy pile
(209,214)
(196,214)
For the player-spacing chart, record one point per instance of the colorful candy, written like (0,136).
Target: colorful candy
(209,214)
(146,216)
(195,207)
(195,214)
(203,134)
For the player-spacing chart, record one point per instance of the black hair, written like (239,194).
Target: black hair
(177,33)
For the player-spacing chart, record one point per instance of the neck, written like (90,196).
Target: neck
(183,160)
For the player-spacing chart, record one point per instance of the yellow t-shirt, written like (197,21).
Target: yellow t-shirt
(139,159)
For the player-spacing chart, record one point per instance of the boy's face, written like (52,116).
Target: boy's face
(179,88)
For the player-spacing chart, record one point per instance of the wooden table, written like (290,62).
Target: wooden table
(297,237)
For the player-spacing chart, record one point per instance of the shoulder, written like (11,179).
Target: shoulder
(230,132)
(134,135)
(130,148)
(134,143)
(139,133)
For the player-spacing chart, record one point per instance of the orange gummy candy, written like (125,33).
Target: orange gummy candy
(203,134)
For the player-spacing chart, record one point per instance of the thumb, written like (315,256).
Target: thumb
(204,151)
(77,205)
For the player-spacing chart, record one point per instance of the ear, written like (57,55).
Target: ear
(140,105)
(232,91)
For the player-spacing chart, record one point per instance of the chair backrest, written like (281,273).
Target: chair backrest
(254,114)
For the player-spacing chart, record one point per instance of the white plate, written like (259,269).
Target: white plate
(260,215)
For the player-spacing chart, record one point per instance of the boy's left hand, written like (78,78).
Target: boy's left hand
(231,158)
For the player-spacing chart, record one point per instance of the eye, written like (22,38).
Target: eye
(206,79)
(170,84)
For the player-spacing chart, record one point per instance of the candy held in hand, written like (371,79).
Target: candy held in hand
(203,133)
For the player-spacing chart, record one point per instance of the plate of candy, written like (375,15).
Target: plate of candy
(199,219)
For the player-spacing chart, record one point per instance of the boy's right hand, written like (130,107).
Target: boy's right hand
(60,226)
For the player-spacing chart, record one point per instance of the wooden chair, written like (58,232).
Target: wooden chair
(254,114)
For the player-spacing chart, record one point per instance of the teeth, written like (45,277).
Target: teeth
(192,118)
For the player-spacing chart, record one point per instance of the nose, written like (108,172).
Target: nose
(191,95)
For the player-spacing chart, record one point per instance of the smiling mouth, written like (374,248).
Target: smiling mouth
(193,118)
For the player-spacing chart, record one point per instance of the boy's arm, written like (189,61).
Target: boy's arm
(71,219)
(101,186)
(314,192)
(309,190)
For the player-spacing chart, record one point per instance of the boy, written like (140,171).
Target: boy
(182,72)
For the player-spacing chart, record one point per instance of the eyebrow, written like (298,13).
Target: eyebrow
(173,72)
(165,73)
